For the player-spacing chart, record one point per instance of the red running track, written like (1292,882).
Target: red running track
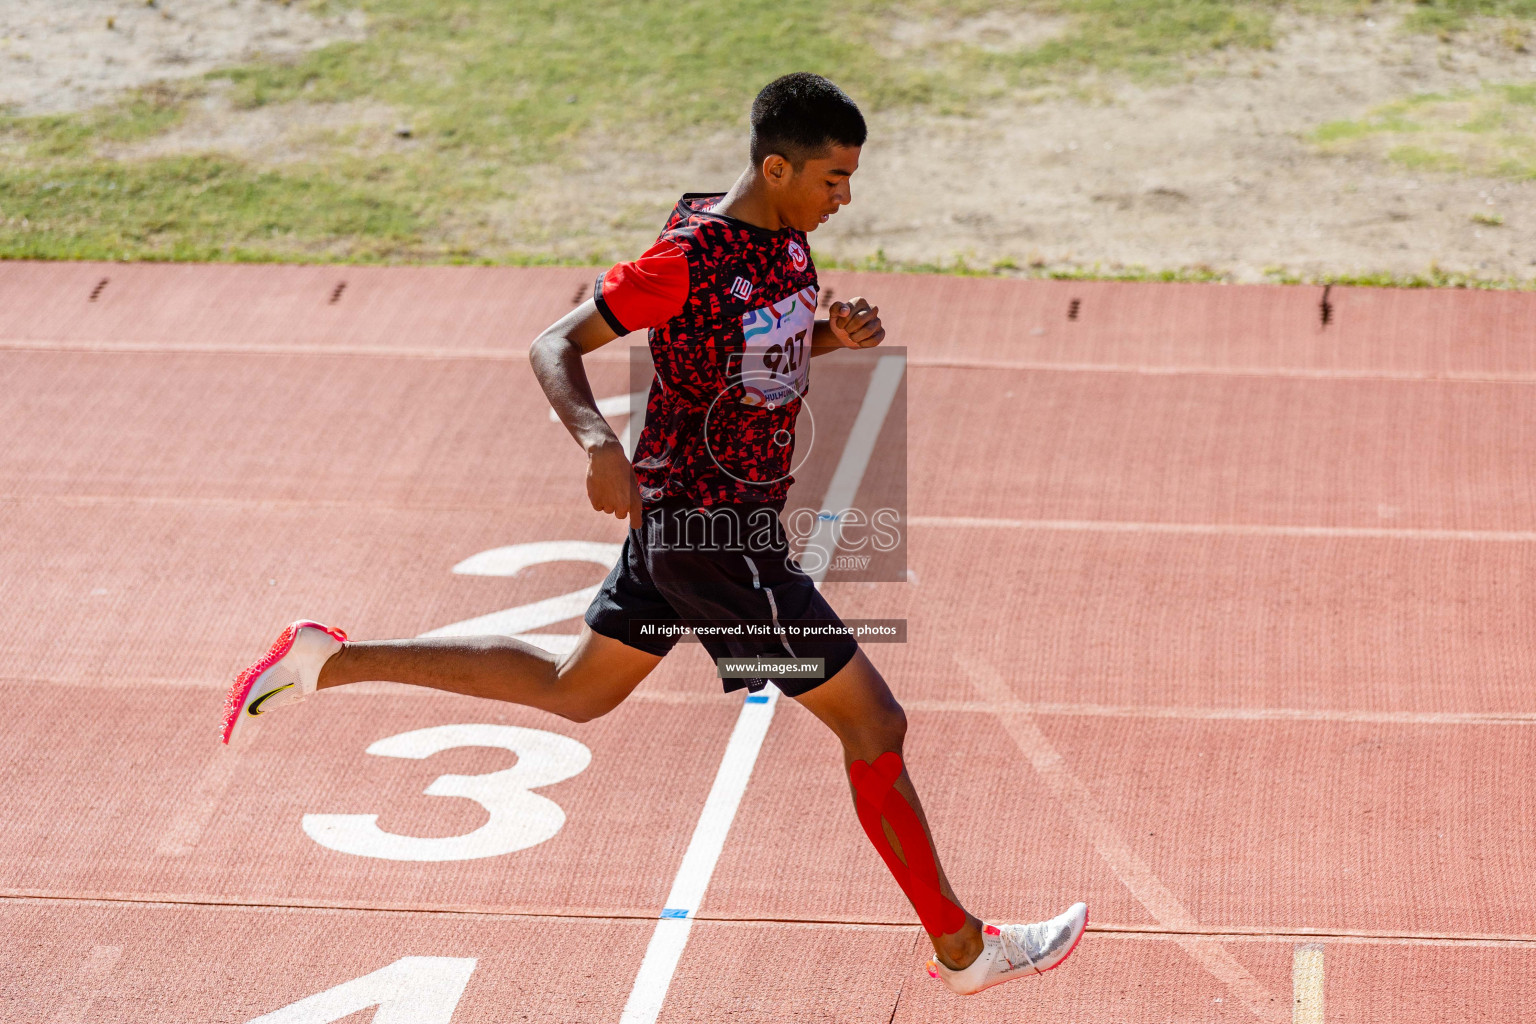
(1219,619)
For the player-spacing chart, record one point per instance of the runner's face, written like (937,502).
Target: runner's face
(820,188)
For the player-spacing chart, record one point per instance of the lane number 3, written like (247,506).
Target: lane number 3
(519,818)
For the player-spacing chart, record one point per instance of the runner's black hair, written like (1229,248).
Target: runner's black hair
(800,115)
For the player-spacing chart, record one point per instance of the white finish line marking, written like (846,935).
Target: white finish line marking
(671,935)
(1307,984)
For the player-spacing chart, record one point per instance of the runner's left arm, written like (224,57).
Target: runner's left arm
(853,324)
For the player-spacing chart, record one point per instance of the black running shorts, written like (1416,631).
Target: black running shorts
(724,563)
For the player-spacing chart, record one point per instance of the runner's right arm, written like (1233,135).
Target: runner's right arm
(556,358)
(627,297)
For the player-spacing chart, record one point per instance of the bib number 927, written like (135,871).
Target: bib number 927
(775,353)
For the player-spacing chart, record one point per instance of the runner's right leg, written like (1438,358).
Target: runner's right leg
(593,680)
(597,675)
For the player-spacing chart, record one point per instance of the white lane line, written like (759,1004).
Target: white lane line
(1218,529)
(150,348)
(1101,930)
(1134,873)
(1334,938)
(671,935)
(1307,984)
(974,707)
(844,487)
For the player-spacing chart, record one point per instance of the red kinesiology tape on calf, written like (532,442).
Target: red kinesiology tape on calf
(877,798)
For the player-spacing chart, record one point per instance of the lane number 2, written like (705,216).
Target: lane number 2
(520,622)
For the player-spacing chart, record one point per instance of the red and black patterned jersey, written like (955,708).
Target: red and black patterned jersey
(731,308)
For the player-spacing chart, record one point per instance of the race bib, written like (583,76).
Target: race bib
(775,364)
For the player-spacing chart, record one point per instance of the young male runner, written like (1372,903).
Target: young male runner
(728,293)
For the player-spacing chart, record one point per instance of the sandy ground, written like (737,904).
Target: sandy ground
(1213,171)
(60,55)
(1210,172)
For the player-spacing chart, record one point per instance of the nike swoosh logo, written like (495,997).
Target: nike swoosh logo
(255,707)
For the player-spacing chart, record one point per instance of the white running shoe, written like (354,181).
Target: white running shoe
(286,675)
(1012,951)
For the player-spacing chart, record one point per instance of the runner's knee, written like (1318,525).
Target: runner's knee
(586,710)
(581,701)
(874,734)
(583,691)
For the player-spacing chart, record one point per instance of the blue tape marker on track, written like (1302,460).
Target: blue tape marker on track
(757,698)
(674,913)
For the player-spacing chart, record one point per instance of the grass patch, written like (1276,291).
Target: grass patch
(1489,132)
(141,114)
(1434,277)
(514,81)
(497,91)
(1143,38)
(1450,15)
(960,266)
(490,89)
(193,208)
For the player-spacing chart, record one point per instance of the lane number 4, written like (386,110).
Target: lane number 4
(412,990)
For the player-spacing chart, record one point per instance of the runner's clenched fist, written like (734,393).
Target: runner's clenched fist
(856,324)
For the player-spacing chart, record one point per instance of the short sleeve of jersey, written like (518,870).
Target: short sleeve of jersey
(646,292)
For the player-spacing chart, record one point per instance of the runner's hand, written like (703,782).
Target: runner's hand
(611,483)
(856,324)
